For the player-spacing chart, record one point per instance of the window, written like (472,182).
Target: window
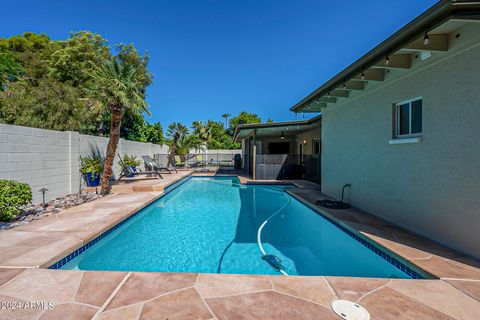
(316,146)
(278,147)
(408,118)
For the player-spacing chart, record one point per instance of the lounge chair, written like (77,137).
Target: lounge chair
(128,171)
(178,161)
(150,163)
(198,161)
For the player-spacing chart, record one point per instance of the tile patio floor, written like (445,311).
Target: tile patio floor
(26,251)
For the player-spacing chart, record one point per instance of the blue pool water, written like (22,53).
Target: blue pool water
(210,225)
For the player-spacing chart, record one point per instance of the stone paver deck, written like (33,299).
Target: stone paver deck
(25,252)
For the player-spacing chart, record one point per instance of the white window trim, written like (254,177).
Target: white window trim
(406,140)
(409,137)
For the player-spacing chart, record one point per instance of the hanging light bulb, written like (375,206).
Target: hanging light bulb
(426,39)
(282,136)
(344,85)
(328,94)
(363,76)
(387,60)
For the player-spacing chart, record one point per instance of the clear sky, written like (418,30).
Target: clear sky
(211,57)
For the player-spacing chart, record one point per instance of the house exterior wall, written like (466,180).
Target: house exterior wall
(309,136)
(431,187)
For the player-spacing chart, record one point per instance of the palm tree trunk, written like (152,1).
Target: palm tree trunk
(116,123)
(173,150)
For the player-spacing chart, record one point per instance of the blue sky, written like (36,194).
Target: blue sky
(211,57)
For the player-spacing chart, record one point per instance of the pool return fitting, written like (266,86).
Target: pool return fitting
(271,259)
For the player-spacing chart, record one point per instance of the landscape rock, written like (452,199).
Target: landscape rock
(55,206)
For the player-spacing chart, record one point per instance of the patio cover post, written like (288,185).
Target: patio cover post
(254,173)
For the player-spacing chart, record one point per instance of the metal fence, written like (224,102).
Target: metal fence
(268,166)
(206,162)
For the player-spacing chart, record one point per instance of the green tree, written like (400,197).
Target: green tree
(10,69)
(49,105)
(220,138)
(152,133)
(175,131)
(69,61)
(116,86)
(202,131)
(188,142)
(244,118)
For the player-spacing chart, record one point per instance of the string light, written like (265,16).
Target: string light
(426,39)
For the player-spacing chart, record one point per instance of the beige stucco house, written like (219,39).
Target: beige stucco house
(402,126)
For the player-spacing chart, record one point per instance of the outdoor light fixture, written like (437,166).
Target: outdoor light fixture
(344,85)
(328,94)
(387,61)
(426,39)
(43,190)
(282,136)
(305,141)
(363,76)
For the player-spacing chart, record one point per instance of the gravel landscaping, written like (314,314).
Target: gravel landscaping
(38,211)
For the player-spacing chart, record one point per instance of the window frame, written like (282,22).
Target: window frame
(319,141)
(396,129)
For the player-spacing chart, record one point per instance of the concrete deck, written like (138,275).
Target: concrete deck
(25,252)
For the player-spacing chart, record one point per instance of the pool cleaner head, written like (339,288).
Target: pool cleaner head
(274,261)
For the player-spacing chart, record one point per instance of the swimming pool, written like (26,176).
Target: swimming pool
(212,225)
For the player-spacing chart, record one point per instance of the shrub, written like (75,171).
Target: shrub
(93,163)
(129,160)
(13,197)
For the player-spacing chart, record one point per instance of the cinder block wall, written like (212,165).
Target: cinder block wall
(50,159)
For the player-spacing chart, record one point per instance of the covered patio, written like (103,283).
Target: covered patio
(282,150)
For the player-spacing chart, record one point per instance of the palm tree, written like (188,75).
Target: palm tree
(116,86)
(202,130)
(175,131)
(226,116)
(188,142)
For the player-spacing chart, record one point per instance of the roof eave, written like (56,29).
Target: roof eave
(433,17)
(273,124)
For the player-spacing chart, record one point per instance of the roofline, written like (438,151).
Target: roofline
(273,124)
(430,19)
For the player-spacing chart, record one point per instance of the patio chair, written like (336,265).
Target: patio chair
(198,161)
(128,171)
(154,166)
(178,162)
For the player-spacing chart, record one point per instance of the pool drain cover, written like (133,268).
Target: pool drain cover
(349,310)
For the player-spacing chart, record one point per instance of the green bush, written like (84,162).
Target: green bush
(13,197)
(129,160)
(93,163)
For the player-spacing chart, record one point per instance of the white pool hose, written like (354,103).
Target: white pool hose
(259,232)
